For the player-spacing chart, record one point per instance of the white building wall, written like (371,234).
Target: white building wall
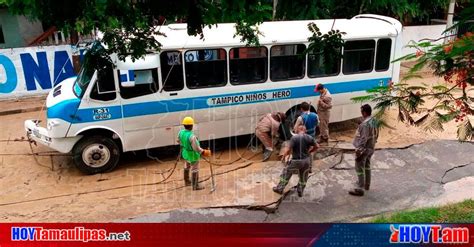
(417,33)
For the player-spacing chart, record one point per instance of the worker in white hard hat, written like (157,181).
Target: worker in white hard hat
(191,152)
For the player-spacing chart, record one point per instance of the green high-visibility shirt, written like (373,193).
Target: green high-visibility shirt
(187,150)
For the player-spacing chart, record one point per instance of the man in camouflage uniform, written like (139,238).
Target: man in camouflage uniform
(364,143)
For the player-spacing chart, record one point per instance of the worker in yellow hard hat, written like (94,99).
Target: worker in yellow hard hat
(191,152)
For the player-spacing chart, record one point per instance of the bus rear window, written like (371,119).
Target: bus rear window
(382,59)
(287,62)
(248,65)
(358,56)
(206,68)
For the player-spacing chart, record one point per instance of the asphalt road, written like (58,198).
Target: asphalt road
(432,173)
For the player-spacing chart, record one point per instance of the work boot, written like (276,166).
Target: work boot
(195,181)
(187,181)
(277,190)
(300,190)
(266,154)
(356,192)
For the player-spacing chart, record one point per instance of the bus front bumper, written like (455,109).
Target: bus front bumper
(39,134)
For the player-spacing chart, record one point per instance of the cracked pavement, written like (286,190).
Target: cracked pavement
(432,173)
(47,187)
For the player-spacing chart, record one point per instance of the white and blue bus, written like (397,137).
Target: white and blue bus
(223,84)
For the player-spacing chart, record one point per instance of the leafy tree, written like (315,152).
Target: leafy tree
(328,45)
(431,105)
(127,25)
(404,10)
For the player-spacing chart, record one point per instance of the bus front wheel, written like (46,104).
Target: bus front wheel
(96,154)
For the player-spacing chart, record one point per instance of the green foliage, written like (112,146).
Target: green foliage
(327,9)
(429,106)
(462,212)
(328,45)
(129,27)
(128,24)
(305,9)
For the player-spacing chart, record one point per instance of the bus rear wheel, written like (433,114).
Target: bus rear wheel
(96,154)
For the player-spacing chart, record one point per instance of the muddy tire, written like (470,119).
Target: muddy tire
(287,126)
(96,154)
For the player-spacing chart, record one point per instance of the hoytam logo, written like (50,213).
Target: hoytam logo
(435,234)
(74,234)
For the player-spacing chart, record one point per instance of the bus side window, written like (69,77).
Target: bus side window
(104,88)
(248,65)
(172,70)
(206,68)
(287,62)
(145,82)
(319,64)
(382,59)
(358,56)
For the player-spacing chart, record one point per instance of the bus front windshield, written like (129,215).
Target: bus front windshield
(84,78)
(94,58)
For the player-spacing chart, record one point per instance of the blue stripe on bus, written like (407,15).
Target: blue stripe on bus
(196,103)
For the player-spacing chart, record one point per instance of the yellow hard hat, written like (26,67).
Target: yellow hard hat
(188,121)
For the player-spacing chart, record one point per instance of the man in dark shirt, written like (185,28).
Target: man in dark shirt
(301,146)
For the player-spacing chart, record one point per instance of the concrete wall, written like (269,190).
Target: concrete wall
(18,31)
(416,33)
(33,70)
(29,30)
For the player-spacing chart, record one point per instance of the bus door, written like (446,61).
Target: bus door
(138,87)
(173,95)
(103,101)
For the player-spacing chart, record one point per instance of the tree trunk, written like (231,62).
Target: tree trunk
(275,4)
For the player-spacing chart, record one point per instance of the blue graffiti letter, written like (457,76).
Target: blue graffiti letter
(62,67)
(11,79)
(33,71)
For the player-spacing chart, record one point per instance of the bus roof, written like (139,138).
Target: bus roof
(277,32)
